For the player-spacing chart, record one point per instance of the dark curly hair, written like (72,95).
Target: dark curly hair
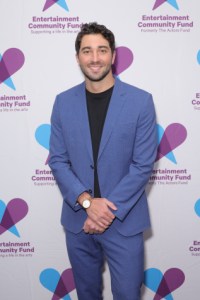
(94,28)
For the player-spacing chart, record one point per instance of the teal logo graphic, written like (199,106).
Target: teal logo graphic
(198,57)
(197,207)
(42,136)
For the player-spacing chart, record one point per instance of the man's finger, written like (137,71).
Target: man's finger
(111,205)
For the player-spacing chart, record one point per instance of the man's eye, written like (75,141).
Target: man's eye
(103,50)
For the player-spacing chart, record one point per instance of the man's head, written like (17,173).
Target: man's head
(95,53)
(94,28)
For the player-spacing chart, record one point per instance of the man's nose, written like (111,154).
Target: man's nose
(95,56)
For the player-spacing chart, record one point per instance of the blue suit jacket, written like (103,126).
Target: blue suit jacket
(125,161)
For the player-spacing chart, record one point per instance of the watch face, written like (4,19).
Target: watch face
(86,203)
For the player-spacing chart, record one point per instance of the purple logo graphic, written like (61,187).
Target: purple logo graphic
(42,135)
(11,214)
(59,285)
(164,285)
(61,3)
(169,139)
(123,60)
(171,2)
(11,61)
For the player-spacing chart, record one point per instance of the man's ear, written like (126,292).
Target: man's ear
(77,59)
(114,56)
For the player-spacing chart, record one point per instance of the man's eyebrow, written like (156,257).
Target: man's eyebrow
(104,46)
(84,48)
(99,47)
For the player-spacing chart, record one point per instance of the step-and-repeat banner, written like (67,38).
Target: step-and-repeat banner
(158,50)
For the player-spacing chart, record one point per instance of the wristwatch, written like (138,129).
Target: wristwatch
(86,203)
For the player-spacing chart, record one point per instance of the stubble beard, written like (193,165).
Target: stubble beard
(95,79)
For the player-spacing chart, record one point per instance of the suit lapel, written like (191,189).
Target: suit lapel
(114,109)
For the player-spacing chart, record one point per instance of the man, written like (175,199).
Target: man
(102,150)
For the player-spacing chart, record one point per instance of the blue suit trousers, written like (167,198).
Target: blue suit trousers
(124,256)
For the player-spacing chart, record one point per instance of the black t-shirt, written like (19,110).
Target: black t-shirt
(97,106)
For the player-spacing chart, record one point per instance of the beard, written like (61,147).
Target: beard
(98,77)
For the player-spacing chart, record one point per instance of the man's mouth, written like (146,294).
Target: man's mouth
(95,68)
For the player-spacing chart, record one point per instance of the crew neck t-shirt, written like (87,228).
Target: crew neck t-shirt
(97,106)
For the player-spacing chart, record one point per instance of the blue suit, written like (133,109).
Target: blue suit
(125,159)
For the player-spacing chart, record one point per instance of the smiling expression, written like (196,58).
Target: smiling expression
(95,57)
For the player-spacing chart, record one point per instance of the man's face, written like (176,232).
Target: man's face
(95,57)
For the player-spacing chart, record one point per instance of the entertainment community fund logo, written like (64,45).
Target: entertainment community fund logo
(164,284)
(11,62)
(55,24)
(165,23)
(10,215)
(43,176)
(168,140)
(59,285)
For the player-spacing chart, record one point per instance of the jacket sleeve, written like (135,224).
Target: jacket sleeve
(132,186)
(59,162)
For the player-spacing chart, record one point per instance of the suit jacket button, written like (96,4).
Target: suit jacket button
(92,167)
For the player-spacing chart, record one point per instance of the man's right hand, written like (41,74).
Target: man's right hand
(100,212)
(100,216)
